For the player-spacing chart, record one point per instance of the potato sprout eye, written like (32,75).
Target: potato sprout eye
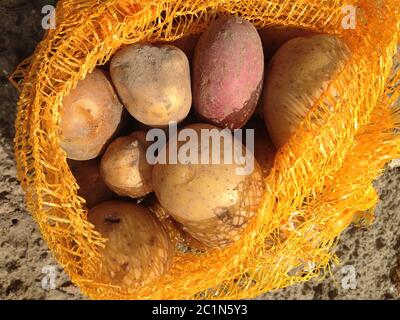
(112,219)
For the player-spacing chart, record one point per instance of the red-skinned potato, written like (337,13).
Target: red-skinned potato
(153,82)
(228,69)
(89,117)
(91,185)
(124,167)
(300,71)
(137,251)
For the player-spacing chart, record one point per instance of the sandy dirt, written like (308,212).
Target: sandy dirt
(369,257)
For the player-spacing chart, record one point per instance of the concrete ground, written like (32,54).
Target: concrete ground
(370,267)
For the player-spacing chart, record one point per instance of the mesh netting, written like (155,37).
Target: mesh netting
(320,181)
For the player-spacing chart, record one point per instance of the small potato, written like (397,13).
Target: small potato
(273,38)
(124,167)
(153,83)
(137,251)
(299,73)
(212,201)
(89,117)
(228,70)
(91,185)
(186,44)
(264,149)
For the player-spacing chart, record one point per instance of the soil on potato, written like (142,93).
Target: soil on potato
(369,269)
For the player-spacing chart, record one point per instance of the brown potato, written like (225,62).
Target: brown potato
(186,44)
(153,83)
(264,149)
(274,37)
(124,167)
(138,249)
(91,185)
(299,73)
(89,116)
(212,201)
(228,71)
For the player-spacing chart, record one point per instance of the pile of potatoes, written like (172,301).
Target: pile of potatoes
(231,76)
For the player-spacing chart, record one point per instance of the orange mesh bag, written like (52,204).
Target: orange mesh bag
(320,181)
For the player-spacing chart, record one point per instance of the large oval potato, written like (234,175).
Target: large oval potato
(138,249)
(91,185)
(272,39)
(212,201)
(89,117)
(228,70)
(124,167)
(153,82)
(300,71)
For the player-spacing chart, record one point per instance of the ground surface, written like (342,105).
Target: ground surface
(369,256)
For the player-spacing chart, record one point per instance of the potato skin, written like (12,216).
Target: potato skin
(153,83)
(299,73)
(228,70)
(89,117)
(124,167)
(138,249)
(208,199)
(91,185)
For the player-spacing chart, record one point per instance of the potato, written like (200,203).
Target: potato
(138,249)
(212,201)
(89,116)
(124,167)
(153,83)
(228,70)
(91,185)
(299,73)
(273,38)
(186,44)
(264,149)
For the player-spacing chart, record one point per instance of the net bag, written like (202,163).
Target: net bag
(321,181)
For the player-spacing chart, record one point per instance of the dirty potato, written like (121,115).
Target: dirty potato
(153,82)
(213,202)
(89,117)
(124,167)
(137,251)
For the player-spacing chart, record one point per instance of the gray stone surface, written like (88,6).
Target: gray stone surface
(371,253)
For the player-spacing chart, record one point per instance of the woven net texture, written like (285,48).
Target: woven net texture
(321,181)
